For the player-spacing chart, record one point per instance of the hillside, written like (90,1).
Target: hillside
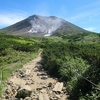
(14,52)
(77,64)
(42,26)
(73,59)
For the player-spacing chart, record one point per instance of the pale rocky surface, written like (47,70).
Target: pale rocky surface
(33,83)
(45,24)
(37,25)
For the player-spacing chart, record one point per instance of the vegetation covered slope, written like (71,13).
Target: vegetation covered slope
(74,59)
(77,63)
(14,52)
(86,37)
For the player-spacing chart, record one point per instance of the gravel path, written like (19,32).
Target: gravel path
(33,83)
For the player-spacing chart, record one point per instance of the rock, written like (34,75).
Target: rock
(50,92)
(44,77)
(35,97)
(41,74)
(46,97)
(44,86)
(39,88)
(41,96)
(28,71)
(7,91)
(26,87)
(9,82)
(43,91)
(7,97)
(38,74)
(14,92)
(28,98)
(57,96)
(50,84)
(58,87)
(21,99)
(64,89)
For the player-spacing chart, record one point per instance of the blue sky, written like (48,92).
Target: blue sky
(83,13)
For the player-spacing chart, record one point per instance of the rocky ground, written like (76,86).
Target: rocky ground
(33,83)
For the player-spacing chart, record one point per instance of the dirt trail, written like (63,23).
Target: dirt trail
(32,83)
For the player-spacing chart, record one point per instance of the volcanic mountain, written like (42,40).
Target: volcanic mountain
(42,26)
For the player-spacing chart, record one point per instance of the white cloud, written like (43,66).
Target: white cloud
(9,18)
(90,28)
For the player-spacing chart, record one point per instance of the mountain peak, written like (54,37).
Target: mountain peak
(42,26)
(53,17)
(33,17)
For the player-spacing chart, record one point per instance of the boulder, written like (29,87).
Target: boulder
(58,87)
(28,98)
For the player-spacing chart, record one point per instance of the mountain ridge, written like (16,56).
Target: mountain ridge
(42,26)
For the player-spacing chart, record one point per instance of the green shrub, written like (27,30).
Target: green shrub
(70,62)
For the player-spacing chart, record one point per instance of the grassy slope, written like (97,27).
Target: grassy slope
(79,53)
(62,53)
(14,52)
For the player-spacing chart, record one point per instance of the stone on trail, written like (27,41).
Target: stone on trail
(27,98)
(58,87)
(28,71)
(26,87)
(43,91)
(41,96)
(46,97)
(44,77)
(57,96)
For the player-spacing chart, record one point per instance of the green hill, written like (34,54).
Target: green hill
(14,52)
(73,59)
(77,63)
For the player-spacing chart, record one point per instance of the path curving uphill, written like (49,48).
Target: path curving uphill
(33,83)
